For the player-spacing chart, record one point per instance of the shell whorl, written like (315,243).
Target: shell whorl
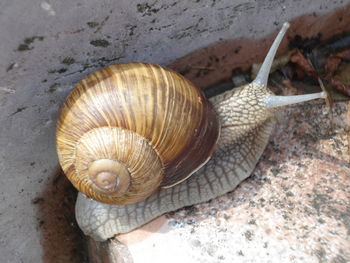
(109,176)
(128,129)
(115,165)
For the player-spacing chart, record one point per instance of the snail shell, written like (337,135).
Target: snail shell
(128,129)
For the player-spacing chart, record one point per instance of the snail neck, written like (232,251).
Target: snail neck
(247,107)
(242,109)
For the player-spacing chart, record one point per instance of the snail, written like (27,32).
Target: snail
(139,140)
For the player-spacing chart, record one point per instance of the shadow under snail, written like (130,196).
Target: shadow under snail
(139,140)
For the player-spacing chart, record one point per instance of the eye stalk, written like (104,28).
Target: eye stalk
(273,101)
(263,74)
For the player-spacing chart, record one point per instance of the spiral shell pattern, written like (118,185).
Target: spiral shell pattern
(128,129)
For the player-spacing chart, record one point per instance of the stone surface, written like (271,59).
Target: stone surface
(294,208)
(47,46)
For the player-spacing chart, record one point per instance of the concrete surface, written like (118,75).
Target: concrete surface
(47,46)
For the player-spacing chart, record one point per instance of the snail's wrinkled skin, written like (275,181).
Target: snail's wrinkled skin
(245,129)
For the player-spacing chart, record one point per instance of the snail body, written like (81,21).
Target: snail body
(231,163)
(89,135)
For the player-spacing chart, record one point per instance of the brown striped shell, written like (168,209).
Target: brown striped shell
(128,129)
